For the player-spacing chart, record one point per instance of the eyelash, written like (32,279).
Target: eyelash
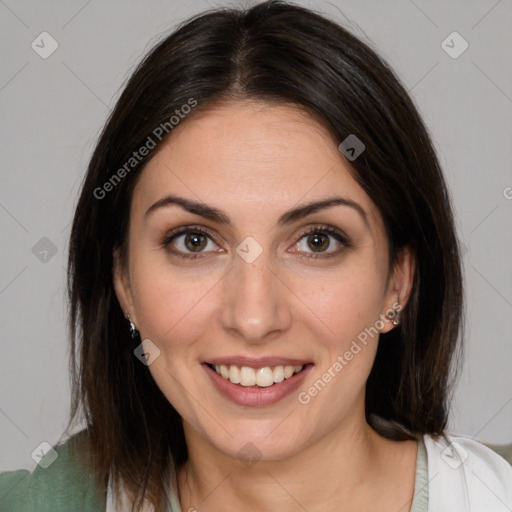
(339,236)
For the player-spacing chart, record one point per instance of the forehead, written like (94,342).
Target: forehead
(253,139)
(255,157)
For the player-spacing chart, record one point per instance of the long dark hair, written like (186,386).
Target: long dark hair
(274,52)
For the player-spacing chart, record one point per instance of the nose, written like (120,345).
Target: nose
(256,304)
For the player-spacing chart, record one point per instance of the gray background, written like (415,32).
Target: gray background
(52,110)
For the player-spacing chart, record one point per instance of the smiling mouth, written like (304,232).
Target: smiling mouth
(257,377)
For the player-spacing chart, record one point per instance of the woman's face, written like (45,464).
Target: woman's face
(252,246)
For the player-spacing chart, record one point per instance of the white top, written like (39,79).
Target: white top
(466,476)
(463,476)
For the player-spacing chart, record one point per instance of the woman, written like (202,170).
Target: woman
(265,288)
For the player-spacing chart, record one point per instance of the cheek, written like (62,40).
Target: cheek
(170,304)
(350,306)
(347,302)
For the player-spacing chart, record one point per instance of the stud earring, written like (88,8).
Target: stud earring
(393,316)
(133,330)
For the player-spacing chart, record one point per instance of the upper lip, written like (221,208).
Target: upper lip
(257,362)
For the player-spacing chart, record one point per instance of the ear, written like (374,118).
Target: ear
(399,285)
(122,285)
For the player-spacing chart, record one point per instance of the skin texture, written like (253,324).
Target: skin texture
(254,162)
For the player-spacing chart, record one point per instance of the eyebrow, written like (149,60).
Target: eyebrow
(216,215)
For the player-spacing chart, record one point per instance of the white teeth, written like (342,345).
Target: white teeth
(247,376)
(262,377)
(234,374)
(278,374)
(224,371)
(288,371)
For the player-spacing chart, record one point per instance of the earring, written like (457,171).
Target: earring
(133,330)
(393,316)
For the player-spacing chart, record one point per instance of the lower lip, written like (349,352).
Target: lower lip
(256,396)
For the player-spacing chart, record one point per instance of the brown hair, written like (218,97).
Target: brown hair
(274,52)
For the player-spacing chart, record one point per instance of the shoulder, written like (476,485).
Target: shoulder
(60,482)
(464,474)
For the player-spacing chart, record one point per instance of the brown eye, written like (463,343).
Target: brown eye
(195,242)
(190,242)
(318,242)
(321,242)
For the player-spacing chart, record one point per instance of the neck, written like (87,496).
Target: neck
(342,467)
